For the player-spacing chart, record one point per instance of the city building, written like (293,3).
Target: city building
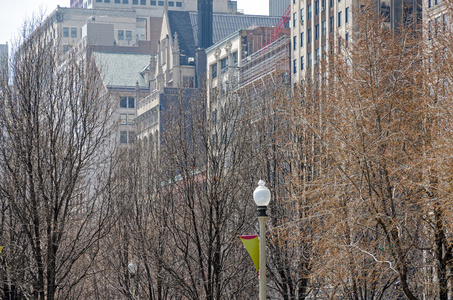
(317,24)
(179,63)
(278,7)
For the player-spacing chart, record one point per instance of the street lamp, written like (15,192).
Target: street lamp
(262,196)
(132,266)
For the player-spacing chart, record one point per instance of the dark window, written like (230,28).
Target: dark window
(346,15)
(106,1)
(135,2)
(128,35)
(120,35)
(154,3)
(73,32)
(346,40)
(224,64)
(316,31)
(301,39)
(125,1)
(309,12)
(302,63)
(331,3)
(178,4)
(65,31)
(323,5)
(123,102)
(171,3)
(294,43)
(294,19)
(309,36)
(331,20)
(118,1)
(295,66)
(214,70)
(142,2)
(316,7)
(98,0)
(234,56)
(131,102)
(123,137)
(316,56)
(309,60)
(161,3)
(131,137)
(339,19)
(430,3)
(323,28)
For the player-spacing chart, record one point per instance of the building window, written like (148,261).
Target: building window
(214,70)
(295,66)
(316,7)
(161,3)
(123,119)
(301,63)
(294,19)
(131,137)
(346,40)
(65,48)
(323,28)
(171,3)
(316,31)
(430,3)
(301,39)
(106,1)
(73,32)
(346,15)
(65,31)
(331,3)
(118,1)
(324,51)
(316,56)
(152,2)
(127,102)
(123,137)
(125,1)
(178,4)
(120,35)
(323,5)
(339,19)
(142,2)
(99,1)
(308,11)
(302,16)
(309,36)
(224,64)
(309,60)
(331,20)
(128,35)
(234,56)
(294,43)
(131,119)
(436,2)
(135,2)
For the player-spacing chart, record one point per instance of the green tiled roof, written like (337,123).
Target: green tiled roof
(121,69)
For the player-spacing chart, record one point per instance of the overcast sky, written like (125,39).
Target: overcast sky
(14,12)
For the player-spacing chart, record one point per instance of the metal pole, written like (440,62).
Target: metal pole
(262,274)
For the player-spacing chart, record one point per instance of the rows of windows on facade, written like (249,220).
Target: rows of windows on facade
(317,32)
(140,2)
(127,118)
(224,64)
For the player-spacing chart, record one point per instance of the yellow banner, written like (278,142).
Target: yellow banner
(251,243)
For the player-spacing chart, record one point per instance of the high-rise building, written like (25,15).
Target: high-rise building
(317,24)
(4,57)
(278,7)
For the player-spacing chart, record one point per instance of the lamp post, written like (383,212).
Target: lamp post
(132,266)
(262,196)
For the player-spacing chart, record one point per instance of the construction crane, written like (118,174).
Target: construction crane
(279,27)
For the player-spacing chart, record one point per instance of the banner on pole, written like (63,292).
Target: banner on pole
(251,243)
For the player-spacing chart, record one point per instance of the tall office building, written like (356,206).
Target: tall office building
(278,7)
(316,24)
(4,57)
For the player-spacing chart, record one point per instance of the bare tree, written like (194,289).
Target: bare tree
(55,167)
